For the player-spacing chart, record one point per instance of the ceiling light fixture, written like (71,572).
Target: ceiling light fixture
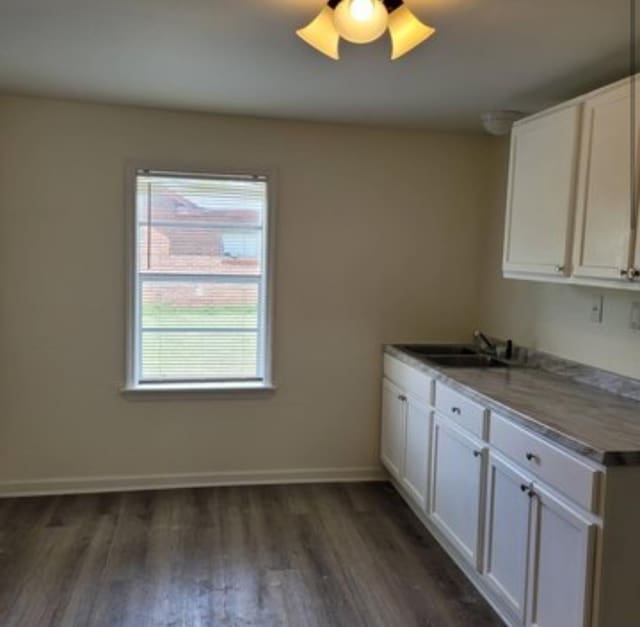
(364,21)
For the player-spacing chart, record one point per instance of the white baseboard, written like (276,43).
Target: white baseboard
(84,485)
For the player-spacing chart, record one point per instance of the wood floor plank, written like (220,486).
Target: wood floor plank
(334,555)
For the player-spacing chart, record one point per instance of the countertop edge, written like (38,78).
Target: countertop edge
(605,458)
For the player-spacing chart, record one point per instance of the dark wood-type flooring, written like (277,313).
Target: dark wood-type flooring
(351,555)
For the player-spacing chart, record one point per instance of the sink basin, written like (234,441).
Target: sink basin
(439,349)
(466,361)
(453,355)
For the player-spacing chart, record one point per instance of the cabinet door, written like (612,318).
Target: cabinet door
(393,428)
(507,535)
(636,223)
(540,205)
(457,487)
(604,211)
(636,261)
(416,462)
(561,565)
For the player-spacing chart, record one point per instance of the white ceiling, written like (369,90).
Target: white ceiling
(241,56)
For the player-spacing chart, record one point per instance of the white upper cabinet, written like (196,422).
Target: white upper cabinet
(570,213)
(540,209)
(603,241)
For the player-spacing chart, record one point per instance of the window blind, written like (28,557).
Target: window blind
(200,278)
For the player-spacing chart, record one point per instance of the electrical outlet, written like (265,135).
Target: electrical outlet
(634,323)
(597,305)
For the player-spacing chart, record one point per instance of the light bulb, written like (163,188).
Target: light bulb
(361,10)
(360,21)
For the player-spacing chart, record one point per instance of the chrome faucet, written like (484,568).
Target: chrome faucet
(485,345)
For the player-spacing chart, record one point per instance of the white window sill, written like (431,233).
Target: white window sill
(190,391)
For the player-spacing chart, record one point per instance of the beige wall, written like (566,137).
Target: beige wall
(377,241)
(553,318)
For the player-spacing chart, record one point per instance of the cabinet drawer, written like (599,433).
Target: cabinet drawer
(576,479)
(409,379)
(461,410)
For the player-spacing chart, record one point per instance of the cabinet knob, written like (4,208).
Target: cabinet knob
(528,489)
(532,457)
(456,410)
(559,268)
(402,397)
(477,453)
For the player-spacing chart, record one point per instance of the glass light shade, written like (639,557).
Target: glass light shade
(321,34)
(406,31)
(360,21)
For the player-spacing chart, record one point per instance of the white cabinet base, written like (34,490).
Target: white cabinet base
(415,474)
(544,560)
(393,428)
(561,570)
(457,480)
(507,534)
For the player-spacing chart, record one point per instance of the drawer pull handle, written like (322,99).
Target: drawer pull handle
(532,457)
(477,453)
(456,410)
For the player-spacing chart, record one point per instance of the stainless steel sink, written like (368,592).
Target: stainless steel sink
(453,355)
(466,361)
(438,349)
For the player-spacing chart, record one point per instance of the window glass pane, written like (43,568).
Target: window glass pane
(196,250)
(198,356)
(199,305)
(218,201)
(200,314)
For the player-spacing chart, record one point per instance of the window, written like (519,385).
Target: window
(200,282)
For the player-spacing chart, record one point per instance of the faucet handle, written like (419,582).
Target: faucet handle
(508,351)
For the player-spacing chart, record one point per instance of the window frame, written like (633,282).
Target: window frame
(132,350)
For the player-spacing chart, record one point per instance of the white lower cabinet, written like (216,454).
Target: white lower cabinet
(539,551)
(457,478)
(549,537)
(392,447)
(562,543)
(417,440)
(507,534)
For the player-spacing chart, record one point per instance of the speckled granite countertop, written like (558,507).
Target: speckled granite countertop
(592,422)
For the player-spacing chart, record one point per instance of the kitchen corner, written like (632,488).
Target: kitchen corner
(521,473)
